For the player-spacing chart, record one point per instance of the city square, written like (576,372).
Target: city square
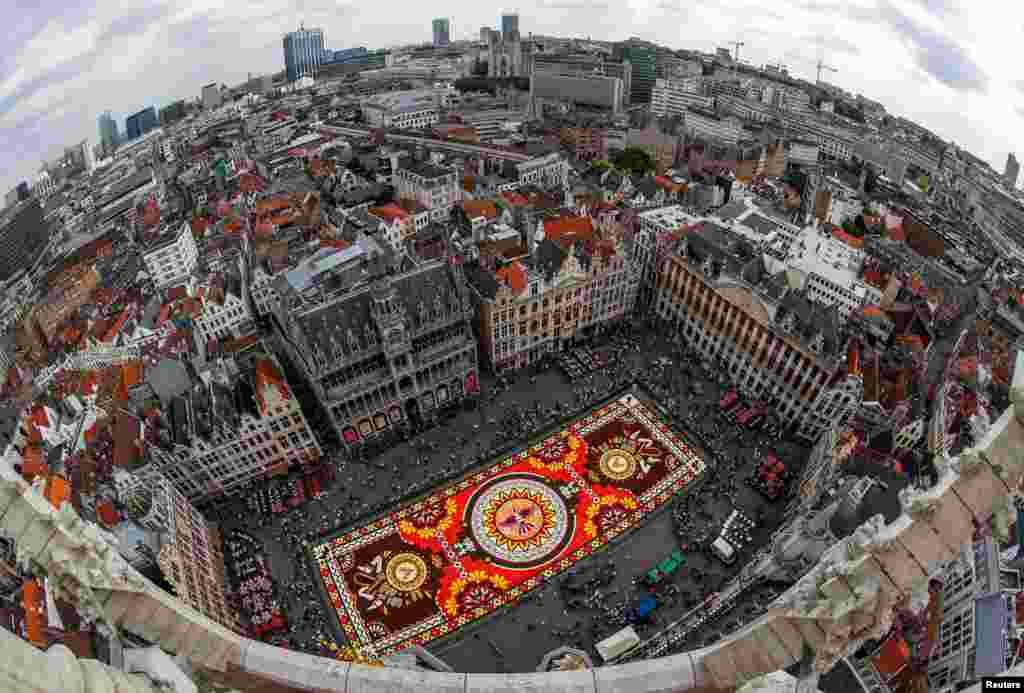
(508,417)
(495,536)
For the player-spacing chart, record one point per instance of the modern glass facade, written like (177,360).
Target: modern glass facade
(304,52)
(644,72)
(442,32)
(108,132)
(510,27)
(349,54)
(140,123)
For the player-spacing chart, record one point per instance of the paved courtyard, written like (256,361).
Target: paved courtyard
(515,639)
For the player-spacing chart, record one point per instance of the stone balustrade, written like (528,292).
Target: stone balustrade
(848,597)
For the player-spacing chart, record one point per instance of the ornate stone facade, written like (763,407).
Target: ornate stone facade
(389,354)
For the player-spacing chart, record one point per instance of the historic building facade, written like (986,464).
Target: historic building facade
(575,284)
(776,345)
(390,353)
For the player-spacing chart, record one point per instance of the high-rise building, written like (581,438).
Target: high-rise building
(643,60)
(510,27)
(172,113)
(211,95)
(304,52)
(442,32)
(1012,170)
(138,124)
(108,133)
(88,159)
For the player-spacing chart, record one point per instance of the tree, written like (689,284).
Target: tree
(635,160)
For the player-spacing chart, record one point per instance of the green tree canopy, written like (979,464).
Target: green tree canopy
(635,160)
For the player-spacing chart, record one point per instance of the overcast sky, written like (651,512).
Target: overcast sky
(932,61)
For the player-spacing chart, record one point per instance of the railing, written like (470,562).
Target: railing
(854,602)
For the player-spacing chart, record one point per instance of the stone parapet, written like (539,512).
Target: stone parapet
(846,598)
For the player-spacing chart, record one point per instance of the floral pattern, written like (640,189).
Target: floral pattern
(467,578)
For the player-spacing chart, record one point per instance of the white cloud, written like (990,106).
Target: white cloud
(200,41)
(52,47)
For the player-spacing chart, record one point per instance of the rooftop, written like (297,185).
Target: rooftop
(403,101)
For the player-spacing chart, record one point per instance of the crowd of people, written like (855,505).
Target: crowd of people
(509,412)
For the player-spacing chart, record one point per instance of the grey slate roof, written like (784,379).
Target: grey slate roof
(482,281)
(761,224)
(549,257)
(732,210)
(169,379)
(329,325)
(775,286)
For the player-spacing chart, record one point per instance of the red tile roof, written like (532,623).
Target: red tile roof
(513,274)
(389,212)
(893,656)
(568,229)
(106,513)
(334,243)
(115,327)
(272,204)
(57,490)
(199,224)
(250,182)
(480,208)
(33,602)
(515,199)
(852,241)
(32,464)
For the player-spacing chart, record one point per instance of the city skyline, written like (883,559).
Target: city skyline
(963,89)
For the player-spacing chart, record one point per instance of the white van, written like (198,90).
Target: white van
(724,550)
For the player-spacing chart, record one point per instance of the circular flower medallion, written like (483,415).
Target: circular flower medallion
(519,521)
(406,572)
(618,464)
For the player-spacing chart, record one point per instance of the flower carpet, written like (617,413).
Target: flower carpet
(477,545)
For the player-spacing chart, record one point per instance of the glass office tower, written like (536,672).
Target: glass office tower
(304,52)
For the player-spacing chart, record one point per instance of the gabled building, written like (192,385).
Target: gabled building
(777,346)
(387,354)
(574,281)
(225,307)
(212,432)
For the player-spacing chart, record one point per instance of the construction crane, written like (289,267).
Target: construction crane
(738,45)
(823,66)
